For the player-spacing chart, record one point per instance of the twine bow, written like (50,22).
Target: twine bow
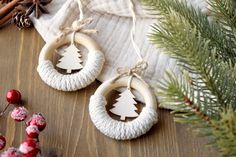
(136,71)
(77,26)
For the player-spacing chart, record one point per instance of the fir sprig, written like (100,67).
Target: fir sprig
(175,93)
(203,95)
(184,43)
(224,11)
(216,35)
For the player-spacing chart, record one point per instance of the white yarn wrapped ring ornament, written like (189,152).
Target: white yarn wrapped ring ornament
(75,81)
(121,130)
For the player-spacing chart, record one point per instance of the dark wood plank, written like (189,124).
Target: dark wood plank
(70,133)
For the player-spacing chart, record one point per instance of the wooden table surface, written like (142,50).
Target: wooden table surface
(70,132)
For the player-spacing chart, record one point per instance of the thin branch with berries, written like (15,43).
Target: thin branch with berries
(34,125)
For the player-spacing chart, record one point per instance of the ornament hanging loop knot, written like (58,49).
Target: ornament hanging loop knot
(77,26)
(80,25)
(138,69)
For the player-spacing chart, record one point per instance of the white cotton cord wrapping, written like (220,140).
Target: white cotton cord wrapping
(117,129)
(93,65)
(74,81)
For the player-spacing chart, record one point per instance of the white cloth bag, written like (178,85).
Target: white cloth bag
(113,21)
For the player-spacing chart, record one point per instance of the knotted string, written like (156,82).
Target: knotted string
(141,65)
(79,25)
(136,71)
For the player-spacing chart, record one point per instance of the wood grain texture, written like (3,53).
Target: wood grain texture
(70,133)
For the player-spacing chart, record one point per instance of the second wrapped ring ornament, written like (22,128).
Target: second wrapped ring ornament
(122,130)
(125,107)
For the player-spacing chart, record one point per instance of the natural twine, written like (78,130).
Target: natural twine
(140,67)
(79,25)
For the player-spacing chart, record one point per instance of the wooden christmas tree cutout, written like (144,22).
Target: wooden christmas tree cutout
(125,105)
(71,59)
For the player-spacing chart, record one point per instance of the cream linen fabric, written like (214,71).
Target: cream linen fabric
(113,22)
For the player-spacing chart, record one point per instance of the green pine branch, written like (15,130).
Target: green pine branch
(224,11)
(225,133)
(218,37)
(184,43)
(175,93)
(204,94)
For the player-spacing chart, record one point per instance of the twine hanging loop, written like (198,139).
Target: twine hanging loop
(136,71)
(77,26)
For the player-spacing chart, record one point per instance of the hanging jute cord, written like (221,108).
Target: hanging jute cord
(141,65)
(133,30)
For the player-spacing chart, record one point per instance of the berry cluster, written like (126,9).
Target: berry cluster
(34,125)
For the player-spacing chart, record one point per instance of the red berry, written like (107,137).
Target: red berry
(2,142)
(29,148)
(19,114)
(13,96)
(38,120)
(11,152)
(32,131)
